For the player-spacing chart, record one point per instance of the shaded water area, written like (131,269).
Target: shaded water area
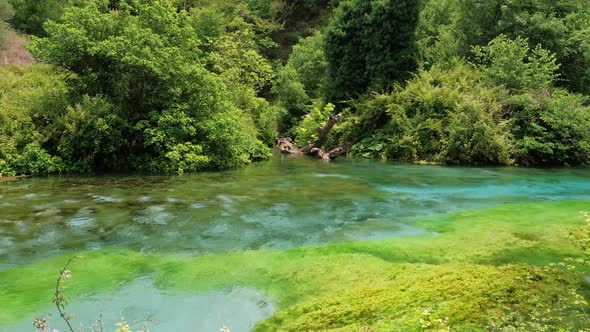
(285,202)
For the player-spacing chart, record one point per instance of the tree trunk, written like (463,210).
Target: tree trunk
(286,146)
(322,135)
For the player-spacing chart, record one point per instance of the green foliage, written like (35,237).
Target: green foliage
(290,91)
(512,64)
(443,115)
(30,99)
(300,19)
(450,28)
(167,111)
(551,128)
(6,10)
(89,135)
(309,61)
(475,137)
(307,130)
(369,45)
(236,59)
(31,15)
(212,18)
(265,116)
(208,23)
(301,81)
(503,112)
(6,13)
(35,160)
(186,85)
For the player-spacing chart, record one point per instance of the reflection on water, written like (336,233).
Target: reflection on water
(237,308)
(285,202)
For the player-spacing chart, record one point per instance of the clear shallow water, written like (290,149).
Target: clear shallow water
(285,202)
(237,308)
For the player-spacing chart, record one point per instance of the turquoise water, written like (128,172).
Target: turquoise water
(140,304)
(281,203)
(285,202)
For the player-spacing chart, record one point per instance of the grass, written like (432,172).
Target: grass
(484,267)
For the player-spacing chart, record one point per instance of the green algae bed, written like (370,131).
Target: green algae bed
(300,245)
(483,267)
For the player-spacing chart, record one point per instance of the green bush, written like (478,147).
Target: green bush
(31,99)
(237,60)
(309,61)
(512,64)
(551,128)
(31,15)
(90,135)
(474,137)
(291,92)
(6,13)
(443,115)
(449,28)
(35,160)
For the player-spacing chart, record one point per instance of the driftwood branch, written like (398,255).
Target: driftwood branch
(286,145)
(322,135)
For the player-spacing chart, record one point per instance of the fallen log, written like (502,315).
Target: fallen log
(286,145)
(322,134)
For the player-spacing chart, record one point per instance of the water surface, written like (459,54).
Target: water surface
(284,202)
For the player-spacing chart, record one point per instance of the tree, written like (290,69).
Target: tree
(31,14)
(144,60)
(450,28)
(370,45)
(308,59)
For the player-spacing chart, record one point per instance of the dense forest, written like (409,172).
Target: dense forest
(182,86)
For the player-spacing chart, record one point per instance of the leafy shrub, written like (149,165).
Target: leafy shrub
(512,64)
(307,130)
(237,59)
(31,98)
(91,135)
(551,128)
(474,137)
(31,15)
(443,115)
(291,92)
(6,13)
(449,28)
(35,160)
(300,83)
